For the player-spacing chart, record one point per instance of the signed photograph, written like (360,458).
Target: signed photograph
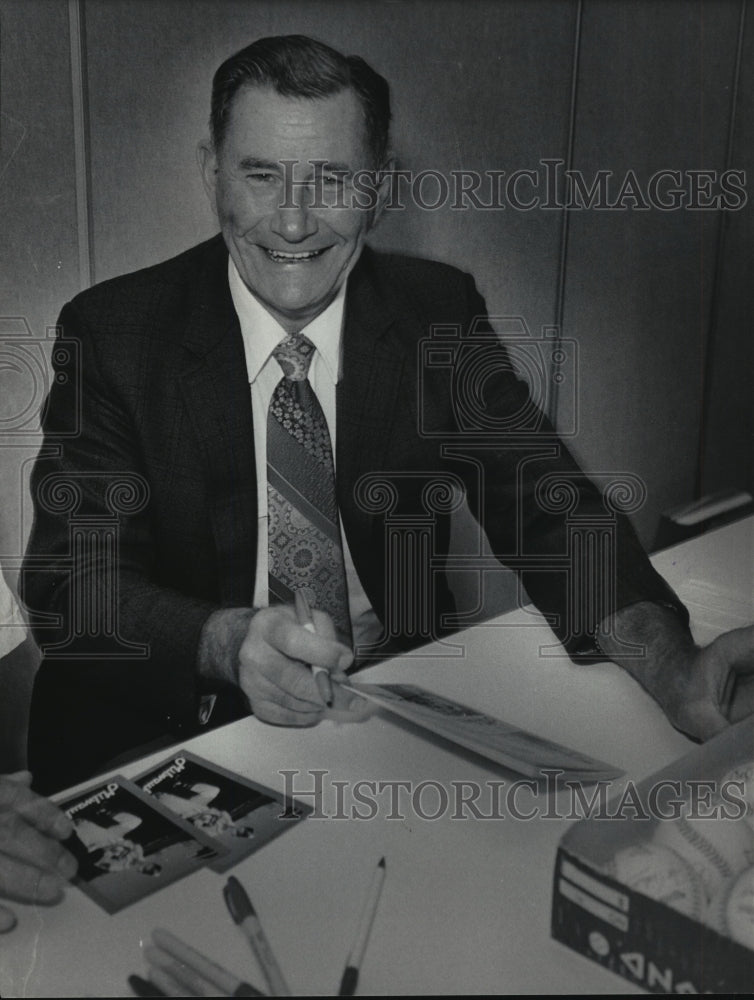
(237,813)
(128,846)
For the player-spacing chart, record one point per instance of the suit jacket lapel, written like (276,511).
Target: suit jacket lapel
(368,391)
(373,361)
(216,393)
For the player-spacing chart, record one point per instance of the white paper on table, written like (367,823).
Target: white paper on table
(714,609)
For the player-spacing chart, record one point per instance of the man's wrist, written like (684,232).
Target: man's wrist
(653,643)
(220,642)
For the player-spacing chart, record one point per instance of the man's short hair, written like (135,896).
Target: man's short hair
(298,66)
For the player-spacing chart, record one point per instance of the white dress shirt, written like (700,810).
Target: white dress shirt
(261,334)
(12,626)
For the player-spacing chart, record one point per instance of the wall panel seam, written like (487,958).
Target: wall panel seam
(722,228)
(82,165)
(565,216)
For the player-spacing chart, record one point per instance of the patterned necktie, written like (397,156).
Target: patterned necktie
(303,529)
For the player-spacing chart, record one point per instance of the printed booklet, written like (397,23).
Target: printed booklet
(513,747)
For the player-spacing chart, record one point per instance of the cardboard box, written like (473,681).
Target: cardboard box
(656,883)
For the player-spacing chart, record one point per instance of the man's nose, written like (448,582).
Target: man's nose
(293,220)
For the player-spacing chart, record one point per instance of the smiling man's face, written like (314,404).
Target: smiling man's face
(292,245)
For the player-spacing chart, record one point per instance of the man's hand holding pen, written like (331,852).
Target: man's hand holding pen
(269,653)
(274,665)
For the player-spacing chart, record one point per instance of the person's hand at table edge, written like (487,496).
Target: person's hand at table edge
(34,864)
(268,654)
(701,689)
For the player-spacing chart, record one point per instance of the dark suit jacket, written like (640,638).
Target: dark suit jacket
(145,519)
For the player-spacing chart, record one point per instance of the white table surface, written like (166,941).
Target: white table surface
(466,902)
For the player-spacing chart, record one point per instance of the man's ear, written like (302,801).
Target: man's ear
(383,184)
(207,160)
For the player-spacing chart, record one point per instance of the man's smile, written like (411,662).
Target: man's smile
(287,257)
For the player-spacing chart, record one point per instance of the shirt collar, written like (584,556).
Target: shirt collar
(262,333)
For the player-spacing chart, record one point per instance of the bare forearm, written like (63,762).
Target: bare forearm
(650,641)
(687,681)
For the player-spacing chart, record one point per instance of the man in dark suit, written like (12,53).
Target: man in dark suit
(151,546)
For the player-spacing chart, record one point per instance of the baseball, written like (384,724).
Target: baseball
(659,873)
(717,849)
(731,912)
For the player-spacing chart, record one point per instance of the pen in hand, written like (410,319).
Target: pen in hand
(305,620)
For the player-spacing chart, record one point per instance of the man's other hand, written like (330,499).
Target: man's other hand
(34,865)
(701,690)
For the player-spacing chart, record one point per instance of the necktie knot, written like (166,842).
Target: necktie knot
(294,355)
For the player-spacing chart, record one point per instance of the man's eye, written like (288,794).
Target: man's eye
(332,180)
(261,177)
